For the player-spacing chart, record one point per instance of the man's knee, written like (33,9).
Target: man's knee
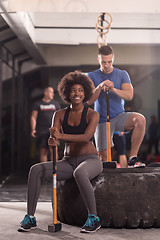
(139,121)
(135,120)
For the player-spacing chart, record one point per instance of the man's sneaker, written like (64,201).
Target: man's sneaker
(27,224)
(134,163)
(92,224)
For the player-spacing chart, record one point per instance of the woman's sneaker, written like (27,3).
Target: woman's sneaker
(134,163)
(92,224)
(27,224)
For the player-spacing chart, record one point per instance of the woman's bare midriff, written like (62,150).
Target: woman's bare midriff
(78,149)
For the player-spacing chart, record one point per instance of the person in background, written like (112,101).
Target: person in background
(120,89)
(40,121)
(153,140)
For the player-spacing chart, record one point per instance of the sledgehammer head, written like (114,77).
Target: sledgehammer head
(54,227)
(112,164)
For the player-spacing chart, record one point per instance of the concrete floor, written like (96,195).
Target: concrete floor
(13,209)
(13,212)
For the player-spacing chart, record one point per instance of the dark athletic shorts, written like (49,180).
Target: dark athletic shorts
(120,144)
(42,140)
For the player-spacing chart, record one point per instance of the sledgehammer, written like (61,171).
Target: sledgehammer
(55,227)
(109,163)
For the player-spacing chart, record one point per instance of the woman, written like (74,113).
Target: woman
(76,126)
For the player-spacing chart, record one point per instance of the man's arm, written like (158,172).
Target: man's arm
(107,84)
(33,120)
(126,91)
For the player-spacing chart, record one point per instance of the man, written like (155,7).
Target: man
(41,119)
(120,88)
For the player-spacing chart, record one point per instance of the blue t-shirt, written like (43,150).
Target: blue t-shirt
(116,103)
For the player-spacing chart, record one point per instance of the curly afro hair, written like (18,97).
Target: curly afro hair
(72,78)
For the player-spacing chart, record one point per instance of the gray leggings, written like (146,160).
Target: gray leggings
(83,169)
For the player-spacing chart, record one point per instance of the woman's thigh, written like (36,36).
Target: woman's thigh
(90,168)
(64,170)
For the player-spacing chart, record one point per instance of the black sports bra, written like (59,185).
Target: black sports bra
(80,129)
